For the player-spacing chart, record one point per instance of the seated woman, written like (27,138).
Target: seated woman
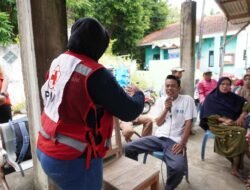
(224,113)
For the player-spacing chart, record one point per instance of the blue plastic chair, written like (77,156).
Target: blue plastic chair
(208,134)
(159,155)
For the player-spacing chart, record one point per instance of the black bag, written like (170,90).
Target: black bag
(21,139)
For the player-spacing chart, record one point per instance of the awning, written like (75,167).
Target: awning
(167,44)
(236,11)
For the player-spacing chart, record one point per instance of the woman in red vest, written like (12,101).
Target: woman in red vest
(80,99)
(5,106)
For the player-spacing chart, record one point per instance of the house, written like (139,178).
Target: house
(163,46)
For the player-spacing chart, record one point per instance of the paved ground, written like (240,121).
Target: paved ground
(211,174)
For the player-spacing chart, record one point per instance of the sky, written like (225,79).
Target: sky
(209,5)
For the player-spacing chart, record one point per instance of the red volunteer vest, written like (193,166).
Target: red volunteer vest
(73,110)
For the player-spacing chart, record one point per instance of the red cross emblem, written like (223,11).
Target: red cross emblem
(54,77)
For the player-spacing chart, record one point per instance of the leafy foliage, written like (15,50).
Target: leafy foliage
(8,21)
(5,29)
(126,20)
(77,8)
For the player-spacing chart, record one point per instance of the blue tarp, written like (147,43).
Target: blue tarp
(122,76)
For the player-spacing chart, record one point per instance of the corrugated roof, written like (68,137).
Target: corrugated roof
(212,24)
(237,11)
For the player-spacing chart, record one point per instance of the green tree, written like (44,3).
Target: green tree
(126,20)
(6,32)
(8,21)
(174,15)
(157,13)
(77,9)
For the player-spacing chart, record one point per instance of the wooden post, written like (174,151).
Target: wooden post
(49,23)
(43,35)
(187,50)
(222,48)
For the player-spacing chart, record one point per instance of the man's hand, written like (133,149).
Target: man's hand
(168,103)
(178,148)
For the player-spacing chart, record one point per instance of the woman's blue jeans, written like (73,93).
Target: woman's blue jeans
(72,174)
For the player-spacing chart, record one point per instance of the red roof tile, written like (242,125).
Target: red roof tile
(212,24)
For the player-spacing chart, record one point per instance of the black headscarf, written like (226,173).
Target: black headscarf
(88,37)
(225,104)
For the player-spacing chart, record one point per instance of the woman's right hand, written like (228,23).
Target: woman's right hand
(131,89)
(240,121)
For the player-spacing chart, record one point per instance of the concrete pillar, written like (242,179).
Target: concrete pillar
(187,50)
(43,35)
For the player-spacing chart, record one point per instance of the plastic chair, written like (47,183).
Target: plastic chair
(160,155)
(208,134)
(8,156)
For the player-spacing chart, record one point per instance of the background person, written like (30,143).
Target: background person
(240,81)
(175,115)
(206,85)
(5,105)
(80,99)
(177,72)
(128,130)
(244,91)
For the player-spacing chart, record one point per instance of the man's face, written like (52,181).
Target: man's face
(177,74)
(172,88)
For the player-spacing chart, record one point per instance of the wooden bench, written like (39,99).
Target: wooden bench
(122,173)
(8,157)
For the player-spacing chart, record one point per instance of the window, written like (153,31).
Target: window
(229,59)
(156,57)
(211,59)
(165,54)
(173,53)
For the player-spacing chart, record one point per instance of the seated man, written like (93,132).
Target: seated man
(174,120)
(127,127)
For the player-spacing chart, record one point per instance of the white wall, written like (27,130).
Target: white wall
(159,69)
(14,73)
